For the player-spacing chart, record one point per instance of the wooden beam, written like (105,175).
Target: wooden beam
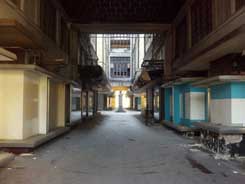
(122,28)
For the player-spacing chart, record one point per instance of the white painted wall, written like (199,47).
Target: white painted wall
(220,111)
(238,111)
(11,104)
(56,105)
(228,111)
(31,104)
(43,105)
(24,104)
(195,106)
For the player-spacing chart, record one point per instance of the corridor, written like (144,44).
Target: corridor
(118,148)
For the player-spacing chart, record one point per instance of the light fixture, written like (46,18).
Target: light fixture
(6,55)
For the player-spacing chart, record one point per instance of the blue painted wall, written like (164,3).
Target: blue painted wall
(167,96)
(234,90)
(177,91)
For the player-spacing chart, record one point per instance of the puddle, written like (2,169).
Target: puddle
(195,164)
(132,140)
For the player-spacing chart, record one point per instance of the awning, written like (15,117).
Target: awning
(146,79)
(93,77)
(5,55)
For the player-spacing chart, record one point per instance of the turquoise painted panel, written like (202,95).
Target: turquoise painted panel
(238,90)
(167,106)
(234,90)
(176,95)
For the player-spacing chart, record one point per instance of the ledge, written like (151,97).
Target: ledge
(181,81)
(179,128)
(221,129)
(33,142)
(33,68)
(17,32)
(219,80)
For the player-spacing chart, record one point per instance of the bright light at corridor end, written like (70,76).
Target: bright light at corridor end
(125,99)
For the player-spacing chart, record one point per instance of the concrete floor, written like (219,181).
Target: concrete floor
(120,149)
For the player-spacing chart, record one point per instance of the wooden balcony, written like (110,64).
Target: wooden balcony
(225,39)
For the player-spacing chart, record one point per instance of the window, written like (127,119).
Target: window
(120,67)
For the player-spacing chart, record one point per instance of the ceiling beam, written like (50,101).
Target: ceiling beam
(122,28)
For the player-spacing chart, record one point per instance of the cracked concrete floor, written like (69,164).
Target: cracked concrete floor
(119,149)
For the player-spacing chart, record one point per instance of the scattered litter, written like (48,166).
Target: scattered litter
(26,154)
(194,150)
(9,168)
(221,157)
(34,158)
(235,172)
(191,145)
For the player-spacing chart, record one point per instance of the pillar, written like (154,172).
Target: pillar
(95,103)
(120,106)
(87,104)
(162,107)
(228,103)
(150,103)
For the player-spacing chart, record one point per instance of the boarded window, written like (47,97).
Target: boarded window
(240,4)
(48,18)
(30,7)
(181,38)
(64,36)
(201,19)
(223,11)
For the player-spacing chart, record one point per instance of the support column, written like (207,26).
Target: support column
(150,103)
(82,105)
(95,103)
(162,107)
(120,106)
(228,104)
(87,104)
